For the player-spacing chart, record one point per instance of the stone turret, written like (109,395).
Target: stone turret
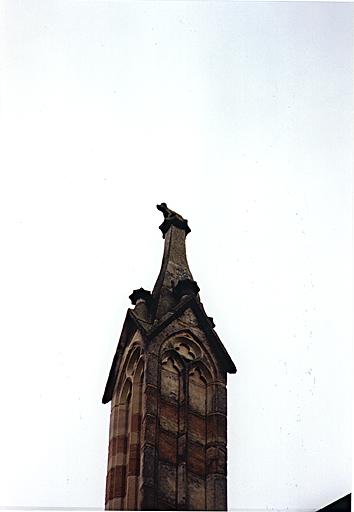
(167,388)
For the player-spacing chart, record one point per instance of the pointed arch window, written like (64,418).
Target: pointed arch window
(185,392)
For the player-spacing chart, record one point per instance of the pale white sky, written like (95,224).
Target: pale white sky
(239,116)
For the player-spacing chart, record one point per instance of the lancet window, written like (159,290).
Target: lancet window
(186,379)
(125,434)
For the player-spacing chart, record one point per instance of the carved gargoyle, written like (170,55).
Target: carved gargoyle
(167,213)
(171,217)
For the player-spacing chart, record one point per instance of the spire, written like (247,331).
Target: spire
(175,278)
(175,291)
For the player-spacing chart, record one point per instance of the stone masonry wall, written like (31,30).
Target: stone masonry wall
(167,448)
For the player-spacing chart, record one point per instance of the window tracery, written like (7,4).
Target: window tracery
(185,383)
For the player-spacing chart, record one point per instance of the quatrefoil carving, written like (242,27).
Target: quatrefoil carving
(185,351)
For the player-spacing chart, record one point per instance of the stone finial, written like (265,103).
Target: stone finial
(172,218)
(140,294)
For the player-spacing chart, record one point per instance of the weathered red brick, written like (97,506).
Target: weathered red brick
(134,459)
(168,416)
(168,447)
(196,427)
(116,482)
(196,459)
(117,445)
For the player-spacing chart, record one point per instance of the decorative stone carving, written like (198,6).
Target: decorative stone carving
(172,219)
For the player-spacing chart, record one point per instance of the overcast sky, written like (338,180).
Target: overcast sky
(239,116)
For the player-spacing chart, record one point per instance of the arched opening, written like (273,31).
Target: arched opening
(133,469)
(117,464)
(122,489)
(186,380)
